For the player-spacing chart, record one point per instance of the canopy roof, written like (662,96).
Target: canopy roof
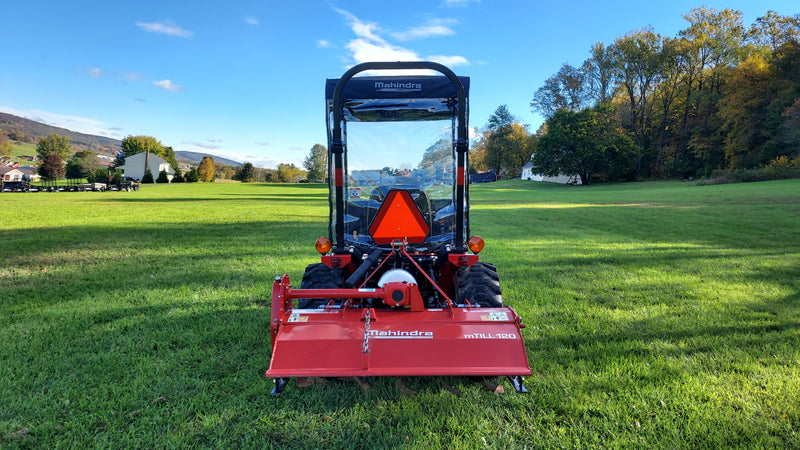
(393,98)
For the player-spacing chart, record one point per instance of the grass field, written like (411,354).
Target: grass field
(659,315)
(22,148)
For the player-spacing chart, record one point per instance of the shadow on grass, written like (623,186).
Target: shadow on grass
(288,198)
(158,336)
(54,265)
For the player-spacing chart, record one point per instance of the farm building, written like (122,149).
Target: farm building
(528,174)
(135,166)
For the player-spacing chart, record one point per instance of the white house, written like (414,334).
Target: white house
(11,173)
(528,174)
(134,166)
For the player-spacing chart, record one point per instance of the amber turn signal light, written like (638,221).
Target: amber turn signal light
(323,245)
(475,243)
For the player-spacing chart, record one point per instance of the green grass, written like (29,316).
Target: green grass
(22,148)
(658,315)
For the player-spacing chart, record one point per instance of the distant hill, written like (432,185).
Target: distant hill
(194,158)
(31,129)
(105,146)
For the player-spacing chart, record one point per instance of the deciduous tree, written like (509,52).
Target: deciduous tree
(477,153)
(599,73)
(82,164)
(316,163)
(566,89)
(584,143)
(54,143)
(773,30)
(507,150)
(289,173)
(5,145)
(638,67)
(52,167)
(246,173)
(206,169)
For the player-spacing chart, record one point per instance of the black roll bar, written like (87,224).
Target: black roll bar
(337,145)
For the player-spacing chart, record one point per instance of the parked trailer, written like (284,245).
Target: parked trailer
(24,186)
(15,186)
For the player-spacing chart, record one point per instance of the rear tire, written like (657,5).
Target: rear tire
(319,276)
(480,285)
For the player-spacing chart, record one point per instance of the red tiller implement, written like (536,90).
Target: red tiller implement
(398,293)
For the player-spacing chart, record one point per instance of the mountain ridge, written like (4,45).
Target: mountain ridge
(100,144)
(194,158)
(80,141)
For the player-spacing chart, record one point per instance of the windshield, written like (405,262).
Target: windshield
(414,156)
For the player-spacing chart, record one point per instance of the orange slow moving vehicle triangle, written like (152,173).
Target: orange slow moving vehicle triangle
(399,218)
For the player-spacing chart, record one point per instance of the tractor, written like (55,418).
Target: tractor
(400,290)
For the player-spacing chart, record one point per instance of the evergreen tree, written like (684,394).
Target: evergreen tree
(193,176)
(178,177)
(162,177)
(148,176)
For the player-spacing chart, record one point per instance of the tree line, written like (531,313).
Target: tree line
(718,96)
(57,160)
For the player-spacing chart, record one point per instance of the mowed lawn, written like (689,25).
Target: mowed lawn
(658,315)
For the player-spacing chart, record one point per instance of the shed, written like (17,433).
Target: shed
(135,166)
(529,173)
(484,177)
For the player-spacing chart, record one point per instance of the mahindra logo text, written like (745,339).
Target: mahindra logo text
(416,334)
(397,85)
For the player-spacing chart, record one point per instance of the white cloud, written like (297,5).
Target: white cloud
(364,51)
(250,20)
(168,86)
(322,43)
(121,77)
(208,144)
(168,28)
(438,27)
(365,30)
(370,46)
(449,60)
(201,145)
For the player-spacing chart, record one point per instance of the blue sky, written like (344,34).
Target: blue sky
(245,79)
